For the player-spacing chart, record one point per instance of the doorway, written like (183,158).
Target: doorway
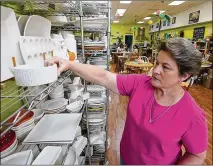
(129,42)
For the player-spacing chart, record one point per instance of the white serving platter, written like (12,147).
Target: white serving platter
(55,128)
(10,35)
(22,20)
(48,156)
(37,26)
(21,158)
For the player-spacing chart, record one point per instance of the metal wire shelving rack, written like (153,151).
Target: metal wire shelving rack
(67,8)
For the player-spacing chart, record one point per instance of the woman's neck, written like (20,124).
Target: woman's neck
(168,96)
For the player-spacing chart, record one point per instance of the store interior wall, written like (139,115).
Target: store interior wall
(182,18)
(17,104)
(126,29)
(188,30)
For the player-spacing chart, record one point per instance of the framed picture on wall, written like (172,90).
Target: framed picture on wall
(173,20)
(194,17)
(199,33)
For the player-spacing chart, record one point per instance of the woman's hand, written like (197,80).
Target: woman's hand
(63,64)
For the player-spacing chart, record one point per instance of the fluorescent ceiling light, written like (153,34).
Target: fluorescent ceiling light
(161,11)
(147,18)
(176,2)
(126,2)
(120,12)
(140,22)
(115,21)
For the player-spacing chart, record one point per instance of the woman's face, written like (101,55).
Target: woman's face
(165,72)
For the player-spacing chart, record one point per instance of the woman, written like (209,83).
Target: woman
(161,115)
(135,49)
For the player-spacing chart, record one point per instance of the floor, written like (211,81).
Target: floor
(117,116)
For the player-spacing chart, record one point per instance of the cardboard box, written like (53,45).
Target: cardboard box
(207,81)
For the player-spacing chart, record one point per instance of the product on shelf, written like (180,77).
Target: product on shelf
(29,75)
(20,158)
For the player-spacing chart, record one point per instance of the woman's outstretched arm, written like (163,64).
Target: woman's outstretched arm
(90,73)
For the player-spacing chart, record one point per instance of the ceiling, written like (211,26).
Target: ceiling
(137,10)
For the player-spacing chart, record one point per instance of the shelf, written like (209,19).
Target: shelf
(93,52)
(56,7)
(68,8)
(72,28)
(44,7)
(30,104)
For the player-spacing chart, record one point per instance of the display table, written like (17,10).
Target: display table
(138,67)
(206,64)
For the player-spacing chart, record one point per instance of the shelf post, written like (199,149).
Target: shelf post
(107,92)
(82,29)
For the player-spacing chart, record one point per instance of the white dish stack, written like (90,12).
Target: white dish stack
(57,92)
(57,105)
(24,129)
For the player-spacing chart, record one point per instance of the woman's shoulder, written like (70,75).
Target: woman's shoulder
(192,108)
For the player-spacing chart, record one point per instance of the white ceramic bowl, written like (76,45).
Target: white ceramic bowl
(75,106)
(71,158)
(26,75)
(38,113)
(11,151)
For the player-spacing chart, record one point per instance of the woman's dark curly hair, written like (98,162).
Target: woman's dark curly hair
(187,57)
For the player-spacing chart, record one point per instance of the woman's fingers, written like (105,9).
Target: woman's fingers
(61,64)
(54,60)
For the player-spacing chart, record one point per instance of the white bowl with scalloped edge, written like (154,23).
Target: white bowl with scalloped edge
(29,75)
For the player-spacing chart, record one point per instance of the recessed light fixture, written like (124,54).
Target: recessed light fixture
(147,18)
(126,2)
(115,21)
(140,22)
(176,2)
(161,11)
(120,12)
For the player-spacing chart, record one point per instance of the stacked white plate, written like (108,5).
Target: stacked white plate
(58,92)
(100,148)
(95,88)
(23,129)
(98,138)
(79,145)
(20,158)
(96,107)
(55,105)
(97,99)
(75,107)
(95,119)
